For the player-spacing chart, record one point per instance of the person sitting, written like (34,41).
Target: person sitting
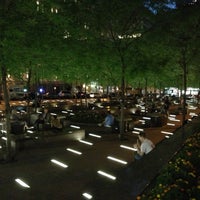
(55,123)
(43,118)
(17,120)
(109,120)
(39,121)
(143,146)
(46,115)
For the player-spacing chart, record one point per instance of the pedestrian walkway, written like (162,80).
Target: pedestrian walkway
(85,164)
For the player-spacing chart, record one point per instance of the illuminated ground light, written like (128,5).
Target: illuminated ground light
(193,114)
(85,142)
(22,183)
(31,127)
(106,175)
(29,131)
(4,138)
(136,132)
(59,163)
(173,119)
(192,108)
(74,151)
(3,131)
(63,111)
(143,121)
(167,136)
(129,148)
(0,147)
(167,133)
(139,129)
(87,195)
(172,116)
(94,135)
(73,126)
(54,114)
(148,118)
(170,124)
(117,160)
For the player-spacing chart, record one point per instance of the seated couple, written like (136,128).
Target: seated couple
(46,119)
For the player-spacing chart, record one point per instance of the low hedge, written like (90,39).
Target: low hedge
(180,178)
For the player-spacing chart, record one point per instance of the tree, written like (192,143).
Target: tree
(182,33)
(18,21)
(118,26)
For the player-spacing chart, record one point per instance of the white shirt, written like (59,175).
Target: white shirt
(146,146)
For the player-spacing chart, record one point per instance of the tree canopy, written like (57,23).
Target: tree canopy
(86,40)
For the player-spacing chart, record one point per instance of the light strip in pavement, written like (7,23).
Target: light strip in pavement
(94,135)
(136,132)
(139,129)
(74,151)
(87,195)
(22,183)
(117,160)
(129,148)
(64,111)
(193,114)
(173,119)
(4,138)
(29,131)
(192,108)
(73,126)
(106,175)
(170,124)
(85,142)
(3,131)
(149,118)
(168,133)
(59,163)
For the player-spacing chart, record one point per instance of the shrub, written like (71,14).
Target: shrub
(180,178)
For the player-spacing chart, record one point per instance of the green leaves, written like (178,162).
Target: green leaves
(98,39)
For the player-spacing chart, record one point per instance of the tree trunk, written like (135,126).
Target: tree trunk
(145,95)
(184,89)
(121,125)
(28,89)
(8,155)
(184,68)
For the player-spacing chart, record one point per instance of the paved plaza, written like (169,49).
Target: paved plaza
(85,164)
